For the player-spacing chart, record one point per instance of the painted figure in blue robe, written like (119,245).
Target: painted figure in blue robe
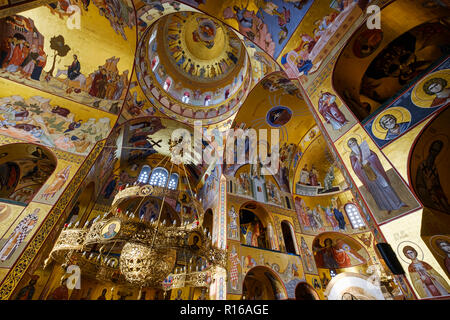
(340,218)
(110,188)
(74,69)
(303,66)
(389,122)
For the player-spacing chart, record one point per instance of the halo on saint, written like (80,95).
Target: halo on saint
(433,90)
(401,115)
(358,140)
(404,244)
(434,243)
(110,229)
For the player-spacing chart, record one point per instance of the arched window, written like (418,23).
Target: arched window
(159,177)
(354,216)
(173,181)
(144,174)
(288,203)
(288,237)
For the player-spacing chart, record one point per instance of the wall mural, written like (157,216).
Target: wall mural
(23,171)
(381,186)
(317,172)
(269,24)
(337,251)
(440,246)
(426,281)
(18,235)
(309,263)
(428,166)
(427,96)
(288,268)
(33,54)
(325,213)
(8,214)
(405,58)
(57,182)
(33,116)
(333,113)
(120,13)
(317,34)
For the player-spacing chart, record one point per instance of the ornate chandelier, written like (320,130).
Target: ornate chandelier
(123,248)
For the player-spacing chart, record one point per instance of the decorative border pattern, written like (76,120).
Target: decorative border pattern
(22,264)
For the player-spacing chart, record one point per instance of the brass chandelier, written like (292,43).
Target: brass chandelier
(123,248)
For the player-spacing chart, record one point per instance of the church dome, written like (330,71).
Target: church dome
(193,67)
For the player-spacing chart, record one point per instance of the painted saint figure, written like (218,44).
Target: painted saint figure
(58,183)
(426,281)
(330,111)
(389,122)
(438,87)
(367,166)
(428,184)
(444,245)
(304,175)
(18,235)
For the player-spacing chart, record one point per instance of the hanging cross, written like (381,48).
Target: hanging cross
(154,143)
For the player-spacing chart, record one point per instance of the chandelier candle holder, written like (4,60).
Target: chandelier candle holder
(121,247)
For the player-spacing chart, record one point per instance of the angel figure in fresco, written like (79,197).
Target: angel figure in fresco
(330,111)
(346,256)
(368,168)
(426,281)
(18,235)
(325,255)
(60,180)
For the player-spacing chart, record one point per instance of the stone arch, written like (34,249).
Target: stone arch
(304,291)
(262,283)
(24,169)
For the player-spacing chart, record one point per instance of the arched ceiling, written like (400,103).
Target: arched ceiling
(177,40)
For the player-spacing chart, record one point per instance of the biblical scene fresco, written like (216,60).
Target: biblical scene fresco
(34,116)
(317,173)
(325,213)
(382,188)
(336,251)
(289,269)
(34,54)
(317,34)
